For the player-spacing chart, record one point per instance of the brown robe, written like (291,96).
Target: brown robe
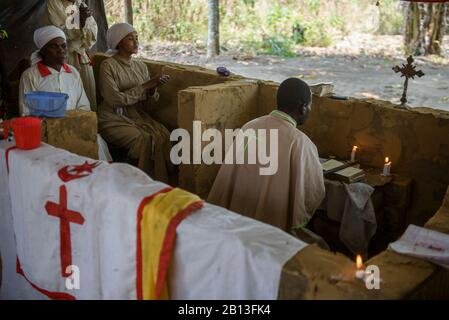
(123,120)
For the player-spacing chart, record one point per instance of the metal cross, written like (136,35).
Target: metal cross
(408,71)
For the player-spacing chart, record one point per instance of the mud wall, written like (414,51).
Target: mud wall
(76,132)
(222,106)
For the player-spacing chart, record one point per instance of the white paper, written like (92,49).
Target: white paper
(424,243)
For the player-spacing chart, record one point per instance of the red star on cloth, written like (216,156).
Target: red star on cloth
(69,173)
(66,217)
(85,167)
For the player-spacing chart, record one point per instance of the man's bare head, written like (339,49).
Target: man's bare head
(295,98)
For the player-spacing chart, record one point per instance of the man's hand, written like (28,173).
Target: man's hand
(156,82)
(85,13)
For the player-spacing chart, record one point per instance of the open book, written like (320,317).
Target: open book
(342,171)
(330,165)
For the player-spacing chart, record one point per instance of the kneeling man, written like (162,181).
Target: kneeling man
(290,196)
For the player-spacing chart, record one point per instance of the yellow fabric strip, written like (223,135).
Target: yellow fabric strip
(156,218)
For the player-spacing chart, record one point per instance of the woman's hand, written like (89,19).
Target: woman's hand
(156,82)
(163,79)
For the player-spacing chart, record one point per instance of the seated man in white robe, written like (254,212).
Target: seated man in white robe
(289,197)
(49,72)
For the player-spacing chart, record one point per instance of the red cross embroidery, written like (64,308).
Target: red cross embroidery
(67,174)
(66,217)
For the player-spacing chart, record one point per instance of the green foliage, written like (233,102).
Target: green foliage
(264,26)
(278,45)
(391,18)
(299,33)
(316,34)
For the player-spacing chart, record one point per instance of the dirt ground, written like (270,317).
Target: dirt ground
(359,66)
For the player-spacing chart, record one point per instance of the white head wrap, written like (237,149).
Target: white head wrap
(116,33)
(42,36)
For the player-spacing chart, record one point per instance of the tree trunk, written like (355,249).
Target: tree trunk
(437,27)
(425,28)
(129,11)
(100,17)
(213,39)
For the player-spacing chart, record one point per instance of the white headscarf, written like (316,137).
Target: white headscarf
(115,34)
(41,37)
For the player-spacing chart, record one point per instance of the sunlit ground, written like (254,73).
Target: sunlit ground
(358,65)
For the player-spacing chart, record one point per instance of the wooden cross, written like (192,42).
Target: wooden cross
(408,71)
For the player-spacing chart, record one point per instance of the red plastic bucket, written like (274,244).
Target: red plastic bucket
(27,132)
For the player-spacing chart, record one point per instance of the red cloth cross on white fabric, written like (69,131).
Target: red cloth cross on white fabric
(66,217)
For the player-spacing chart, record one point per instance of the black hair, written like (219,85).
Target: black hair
(293,93)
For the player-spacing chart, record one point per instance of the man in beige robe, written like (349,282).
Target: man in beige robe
(289,197)
(79,39)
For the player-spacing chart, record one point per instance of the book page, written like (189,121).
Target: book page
(350,171)
(331,164)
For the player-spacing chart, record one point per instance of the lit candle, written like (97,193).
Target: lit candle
(387,167)
(359,273)
(354,150)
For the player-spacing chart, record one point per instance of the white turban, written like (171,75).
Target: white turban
(41,37)
(116,33)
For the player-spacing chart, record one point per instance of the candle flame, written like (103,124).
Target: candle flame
(359,262)
(355,148)
(387,160)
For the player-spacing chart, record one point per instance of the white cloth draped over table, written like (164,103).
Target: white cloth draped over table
(218,254)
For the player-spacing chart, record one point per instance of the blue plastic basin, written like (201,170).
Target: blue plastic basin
(46,104)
